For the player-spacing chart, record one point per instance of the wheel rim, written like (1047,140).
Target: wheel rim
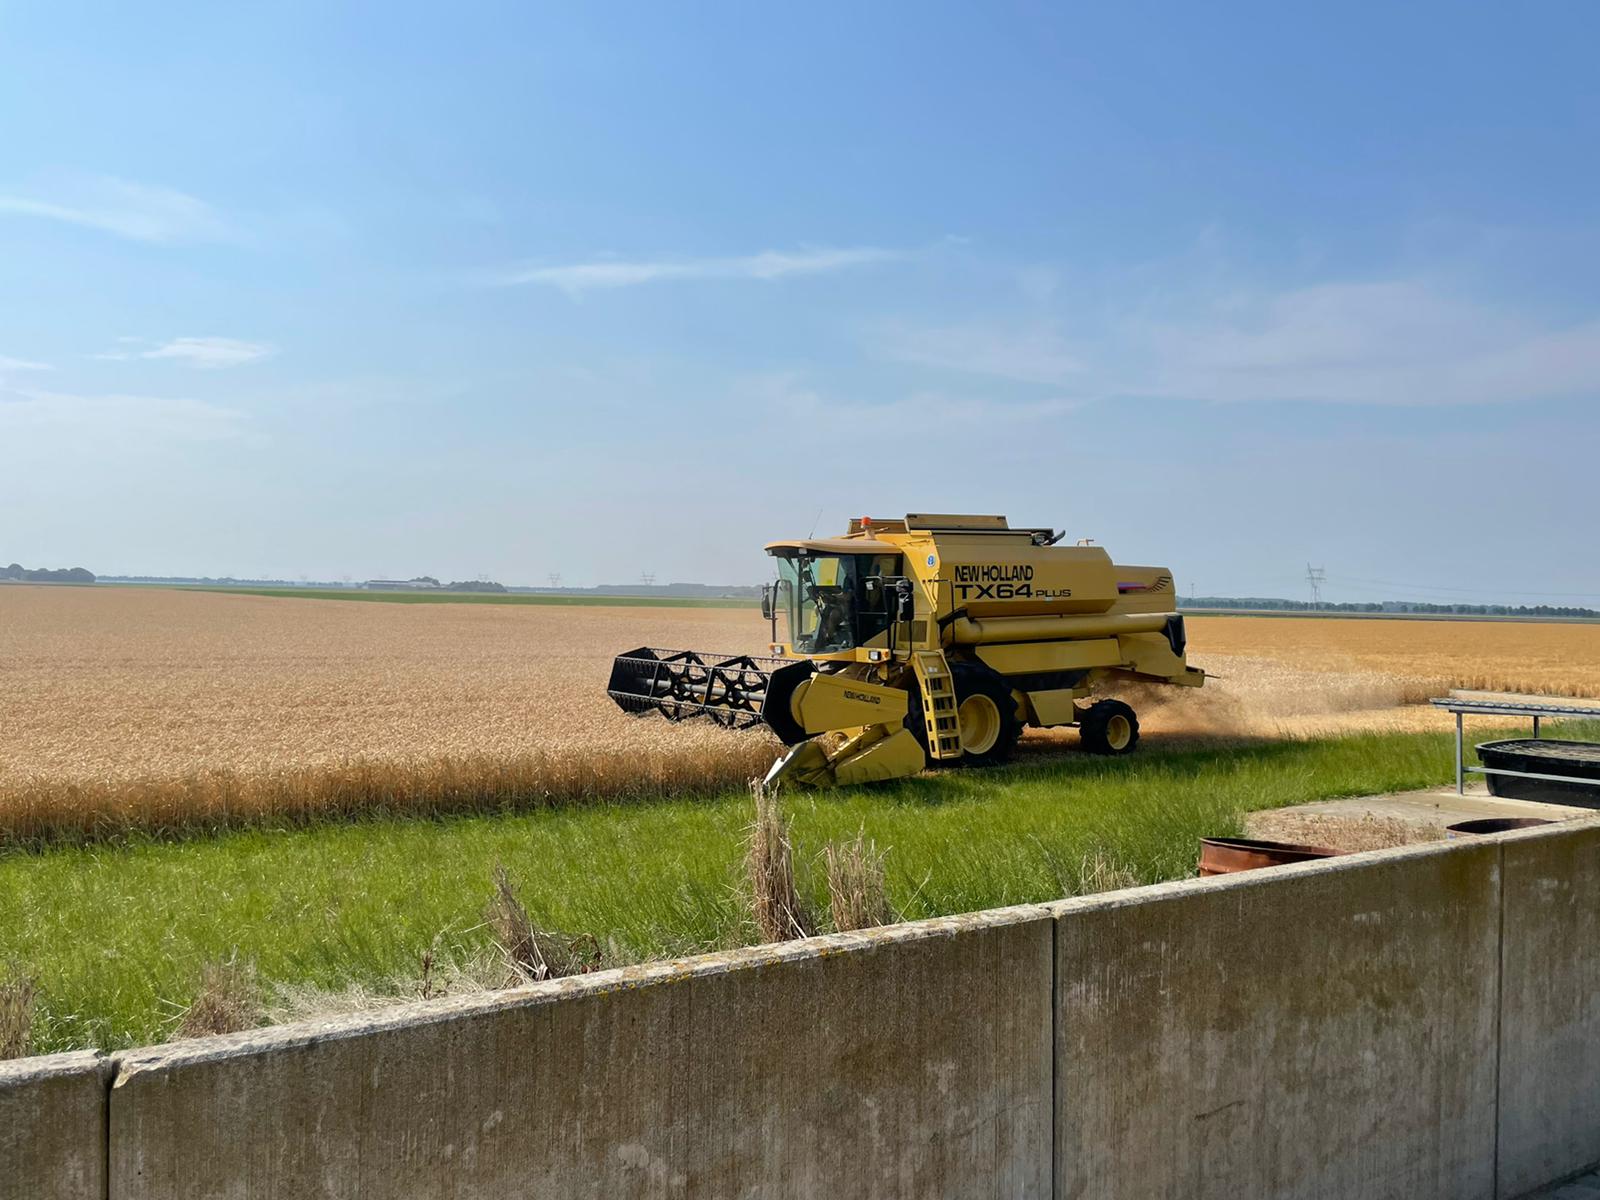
(1119,732)
(979,718)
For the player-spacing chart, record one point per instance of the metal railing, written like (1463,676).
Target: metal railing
(1504,704)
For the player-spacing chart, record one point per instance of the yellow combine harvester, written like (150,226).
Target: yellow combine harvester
(932,639)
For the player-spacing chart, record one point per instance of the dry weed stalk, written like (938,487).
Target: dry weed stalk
(857,895)
(769,868)
(441,974)
(1349,832)
(228,1000)
(1099,872)
(533,953)
(16,1016)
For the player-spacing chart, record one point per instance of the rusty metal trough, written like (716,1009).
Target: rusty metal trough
(1223,856)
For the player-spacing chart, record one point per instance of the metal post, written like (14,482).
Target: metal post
(1536,726)
(1461,787)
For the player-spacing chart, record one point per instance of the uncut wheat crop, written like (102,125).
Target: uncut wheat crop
(159,709)
(126,707)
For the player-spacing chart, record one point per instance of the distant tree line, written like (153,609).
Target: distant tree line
(18,573)
(709,591)
(460,585)
(1388,606)
(220,581)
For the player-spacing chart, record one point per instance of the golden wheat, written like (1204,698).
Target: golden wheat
(1314,675)
(1424,656)
(129,708)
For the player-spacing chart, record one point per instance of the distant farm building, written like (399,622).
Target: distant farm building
(423,583)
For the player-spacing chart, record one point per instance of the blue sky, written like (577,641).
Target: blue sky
(503,290)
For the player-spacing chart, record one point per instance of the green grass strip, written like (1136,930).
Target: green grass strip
(115,935)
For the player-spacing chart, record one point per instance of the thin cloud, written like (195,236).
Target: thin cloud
(210,353)
(30,416)
(768,264)
(1399,342)
(22,364)
(138,211)
(202,353)
(965,415)
(1036,354)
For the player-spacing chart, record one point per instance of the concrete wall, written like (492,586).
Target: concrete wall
(1550,1014)
(53,1127)
(1323,1030)
(1413,1023)
(910,1062)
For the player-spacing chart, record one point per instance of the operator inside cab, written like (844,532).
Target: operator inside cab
(828,601)
(830,593)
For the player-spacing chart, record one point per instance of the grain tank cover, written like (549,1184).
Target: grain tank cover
(945,522)
(1006,573)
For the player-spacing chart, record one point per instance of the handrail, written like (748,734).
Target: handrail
(1509,704)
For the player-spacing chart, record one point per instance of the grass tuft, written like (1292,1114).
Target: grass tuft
(532,953)
(1099,871)
(769,868)
(16,1016)
(857,895)
(228,1000)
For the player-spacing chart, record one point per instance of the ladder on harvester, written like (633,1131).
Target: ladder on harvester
(938,704)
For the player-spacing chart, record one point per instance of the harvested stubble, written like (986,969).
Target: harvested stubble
(127,708)
(1314,676)
(1417,659)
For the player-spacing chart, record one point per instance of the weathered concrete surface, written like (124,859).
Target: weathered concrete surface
(1321,1030)
(1585,1188)
(912,1061)
(1550,1006)
(53,1127)
(1396,819)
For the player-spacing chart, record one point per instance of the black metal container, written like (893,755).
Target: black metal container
(1494,825)
(1544,756)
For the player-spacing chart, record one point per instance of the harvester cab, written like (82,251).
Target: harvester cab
(932,639)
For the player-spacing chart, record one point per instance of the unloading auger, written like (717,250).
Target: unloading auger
(933,639)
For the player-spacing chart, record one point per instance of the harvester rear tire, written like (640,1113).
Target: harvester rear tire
(985,706)
(1109,727)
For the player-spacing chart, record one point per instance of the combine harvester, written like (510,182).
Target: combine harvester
(932,639)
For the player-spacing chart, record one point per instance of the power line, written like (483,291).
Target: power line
(1424,587)
(1316,577)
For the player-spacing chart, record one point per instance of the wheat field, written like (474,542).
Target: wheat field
(127,707)
(159,709)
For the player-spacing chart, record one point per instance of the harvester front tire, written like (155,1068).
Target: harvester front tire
(986,711)
(1109,727)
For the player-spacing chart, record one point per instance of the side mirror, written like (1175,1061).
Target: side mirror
(766,602)
(902,600)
